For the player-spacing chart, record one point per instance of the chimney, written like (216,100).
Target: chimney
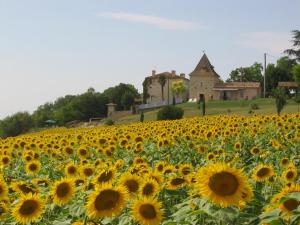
(182,75)
(173,72)
(153,72)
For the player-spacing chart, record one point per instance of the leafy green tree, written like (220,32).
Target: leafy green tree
(295,51)
(280,99)
(177,88)
(42,114)
(282,71)
(162,81)
(116,95)
(247,74)
(16,124)
(296,73)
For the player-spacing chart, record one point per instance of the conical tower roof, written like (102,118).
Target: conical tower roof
(205,64)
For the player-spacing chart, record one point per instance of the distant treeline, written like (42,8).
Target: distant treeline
(68,108)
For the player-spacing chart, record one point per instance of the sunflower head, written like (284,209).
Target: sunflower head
(222,184)
(262,172)
(63,191)
(106,200)
(147,211)
(28,209)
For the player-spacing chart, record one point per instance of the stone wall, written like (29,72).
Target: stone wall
(202,83)
(154,91)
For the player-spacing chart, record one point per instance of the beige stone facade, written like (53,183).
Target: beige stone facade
(204,82)
(155,89)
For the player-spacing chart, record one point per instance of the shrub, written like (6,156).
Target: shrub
(108,122)
(170,112)
(254,106)
(297,98)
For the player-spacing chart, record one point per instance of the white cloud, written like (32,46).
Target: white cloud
(270,42)
(160,22)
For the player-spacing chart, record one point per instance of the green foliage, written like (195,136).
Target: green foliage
(254,106)
(108,122)
(16,124)
(282,71)
(296,73)
(123,95)
(177,88)
(142,116)
(297,98)
(247,74)
(146,84)
(170,112)
(162,79)
(280,99)
(296,44)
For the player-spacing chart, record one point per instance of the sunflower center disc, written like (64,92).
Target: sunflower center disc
(71,170)
(148,189)
(107,200)
(32,167)
(291,204)
(104,177)
(147,211)
(132,185)
(28,207)
(177,181)
(263,172)
(62,190)
(290,175)
(223,184)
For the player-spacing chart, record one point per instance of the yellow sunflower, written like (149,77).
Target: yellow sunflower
(147,211)
(255,150)
(262,172)
(3,211)
(222,184)
(290,175)
(131,182)
(106,200)
(290,204)
(63,191)
(3,189)
(175,183)
(149,188)
(33,167)
(71,170)
(104,176)
(29,209)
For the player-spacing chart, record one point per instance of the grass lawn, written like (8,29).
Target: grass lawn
(266,106)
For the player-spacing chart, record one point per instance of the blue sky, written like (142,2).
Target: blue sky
(50,48)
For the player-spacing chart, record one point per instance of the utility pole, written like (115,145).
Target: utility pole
(265,66)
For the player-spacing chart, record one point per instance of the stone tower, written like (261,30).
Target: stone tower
(202,80)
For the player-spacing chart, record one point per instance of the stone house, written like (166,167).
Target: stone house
(204,83)
(154,88)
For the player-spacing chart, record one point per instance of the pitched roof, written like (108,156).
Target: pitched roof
(205,64)
(239,85)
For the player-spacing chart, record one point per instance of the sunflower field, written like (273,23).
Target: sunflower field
(213,170)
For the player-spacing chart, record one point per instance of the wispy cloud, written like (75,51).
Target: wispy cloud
(160,22)
(271,42)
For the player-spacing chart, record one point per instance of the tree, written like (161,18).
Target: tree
(16,124)
(115,95)
(296,73)
(177,88)
(282,71)
(247,74)
(280,99)
(296,44)
(162,81)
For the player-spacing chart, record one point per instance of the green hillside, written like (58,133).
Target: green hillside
(266,106)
